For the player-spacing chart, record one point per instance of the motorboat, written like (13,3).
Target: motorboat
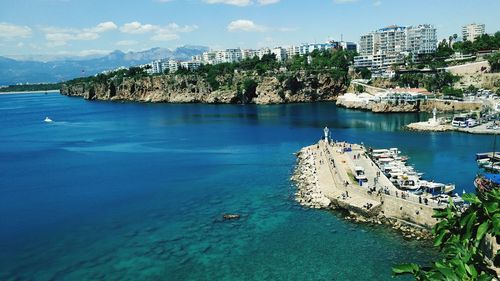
(48,120)
(459,121)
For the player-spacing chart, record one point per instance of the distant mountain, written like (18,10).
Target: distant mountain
(20,71)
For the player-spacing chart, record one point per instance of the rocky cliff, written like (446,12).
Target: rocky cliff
(378,106)
(271,88)
(424,106)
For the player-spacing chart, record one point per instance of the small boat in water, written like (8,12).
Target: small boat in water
(48,120)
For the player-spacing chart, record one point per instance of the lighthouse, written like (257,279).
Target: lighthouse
(326,131)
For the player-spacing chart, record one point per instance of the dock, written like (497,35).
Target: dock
(326,178)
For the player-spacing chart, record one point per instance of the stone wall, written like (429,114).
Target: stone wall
(408,211)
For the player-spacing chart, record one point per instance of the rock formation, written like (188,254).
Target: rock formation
(272,88)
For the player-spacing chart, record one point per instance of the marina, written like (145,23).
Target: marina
(375,184)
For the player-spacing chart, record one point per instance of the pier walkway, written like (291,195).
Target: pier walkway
(335,170)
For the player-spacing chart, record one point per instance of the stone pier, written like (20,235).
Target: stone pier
(329,174)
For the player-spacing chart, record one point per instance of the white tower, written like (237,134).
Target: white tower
(326,131)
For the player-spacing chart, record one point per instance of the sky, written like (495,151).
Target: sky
(91,27)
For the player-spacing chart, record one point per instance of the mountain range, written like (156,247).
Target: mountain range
(14,71)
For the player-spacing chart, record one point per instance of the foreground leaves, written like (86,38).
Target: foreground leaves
(459,236)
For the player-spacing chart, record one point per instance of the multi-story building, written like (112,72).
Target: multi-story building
(348,46)
(264,51)
(292,51)
(190,65)
(232,55)
(280,53)
(156,66)
(249,53)
(387,46)
(421,39)
(173,66)
(208,57)
(471,31)
(366,45)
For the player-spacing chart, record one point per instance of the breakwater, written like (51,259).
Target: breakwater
(324,177)
(371,103)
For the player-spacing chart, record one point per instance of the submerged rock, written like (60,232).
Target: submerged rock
(231,216)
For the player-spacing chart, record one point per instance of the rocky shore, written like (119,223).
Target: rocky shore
(306,179)
(270,88)
(420,106)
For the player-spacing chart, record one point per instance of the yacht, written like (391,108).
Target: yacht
(47,119)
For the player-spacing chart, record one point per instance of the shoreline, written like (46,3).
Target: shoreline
(29,92)
(425,126)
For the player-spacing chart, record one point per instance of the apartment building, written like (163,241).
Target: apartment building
(471,31)
(380,49)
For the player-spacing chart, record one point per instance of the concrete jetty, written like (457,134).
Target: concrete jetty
(487,128)
(325,179)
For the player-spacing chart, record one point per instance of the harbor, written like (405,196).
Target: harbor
(373,185)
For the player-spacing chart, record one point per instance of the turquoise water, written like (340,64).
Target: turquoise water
(124,191)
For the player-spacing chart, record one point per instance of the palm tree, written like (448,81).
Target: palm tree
(455,36)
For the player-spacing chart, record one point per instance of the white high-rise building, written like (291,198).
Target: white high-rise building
(173,66)
(156,66)
(249,53)
(208,57)
(382,48)
(264,51)
(232,55)
(421,39)
(190,65)
(471,31)
(280,53)
(366,45)
(292,51)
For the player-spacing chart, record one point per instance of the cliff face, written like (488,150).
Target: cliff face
(194,88)
(424,106)
(378,107)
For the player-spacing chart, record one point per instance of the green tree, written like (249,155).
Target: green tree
(460,236)
(494,61)
(364,72)
(249,89)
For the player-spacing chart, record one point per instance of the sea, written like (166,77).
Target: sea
(137,191)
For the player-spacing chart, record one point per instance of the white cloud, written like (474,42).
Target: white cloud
(377,3)
(61,39)
(160,33)
(240,3)
(20,44)
(267,2)
(165,37)
(136,27)
(103,27)
(344,1)
(126,43)
(10,31)
(245,25)
(59,36)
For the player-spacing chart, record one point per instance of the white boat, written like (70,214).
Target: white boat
(471,122)
(48,120)
(459,121)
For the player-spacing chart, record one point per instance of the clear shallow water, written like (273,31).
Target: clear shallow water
(136,191)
